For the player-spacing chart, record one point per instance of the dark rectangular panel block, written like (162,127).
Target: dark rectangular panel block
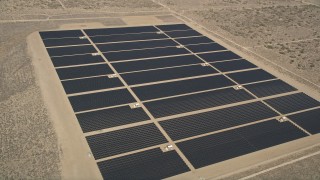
(123,30)
(176,34)
(107,118)
(61,34)
(72,50)
(76,60)
(183,127)
(173,27)
(156,63)
(309,120)
(144,53)
(215,148)
(270,133)
(127,37)
(219,56)
(65,42)
(181,87)
(136,45)
(194,40)
(125,140)
(150,164)
(269,88)
(250,76)
(167,74)
(292,103)
(226,145)
(206,47)
(90,84)
(83,71)
(188,103)
(233,65)
(100,100)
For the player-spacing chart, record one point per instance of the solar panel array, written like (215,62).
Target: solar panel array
(151,86)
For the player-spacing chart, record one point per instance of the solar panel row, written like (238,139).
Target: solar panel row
(152,54)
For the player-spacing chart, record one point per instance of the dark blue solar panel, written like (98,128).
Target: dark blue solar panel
(194,40)
(71,50)
(292,103)
(83,71)
(219,56)
(61,34)
(150,164)
(205,47)
(173,27)
(121,30)
(181,87)
(167,74)
(251,76)
(76,60)
(65,42)
(156,63)
(100,100)
(176,34)
(309,120)
(90,84)
(125,140)
(269,88)
(136,45)
(107,118)
(127,37)
(144,53)
(193,102)
(233,65)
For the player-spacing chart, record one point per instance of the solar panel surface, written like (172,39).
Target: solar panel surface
(171,84)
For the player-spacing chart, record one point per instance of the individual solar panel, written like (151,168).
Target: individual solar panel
(83,71)
(187,126)
(76,60)
(124,30)
(193,102)
(167,74)
(60,34)
(229,144)
(156,63)
(174,27)
(181,87)
(206,47)
(219,56)
(71,50)
(65,42)
(194,40)
(250,76)
(90,84)
(108,118)
(269,88)
(127,37)
(144,53)
(125,140)
(150,164)
(176,34)
(270,133)
(292,103)
(214,148)
(100,100)
(233,65)
(136,45)
(308,120)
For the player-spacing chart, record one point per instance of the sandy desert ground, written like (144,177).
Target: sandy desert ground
(286,32)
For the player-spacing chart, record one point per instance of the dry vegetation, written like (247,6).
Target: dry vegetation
(209,4)
(121,5)
(303,57)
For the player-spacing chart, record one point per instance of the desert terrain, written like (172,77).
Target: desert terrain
(286,33)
